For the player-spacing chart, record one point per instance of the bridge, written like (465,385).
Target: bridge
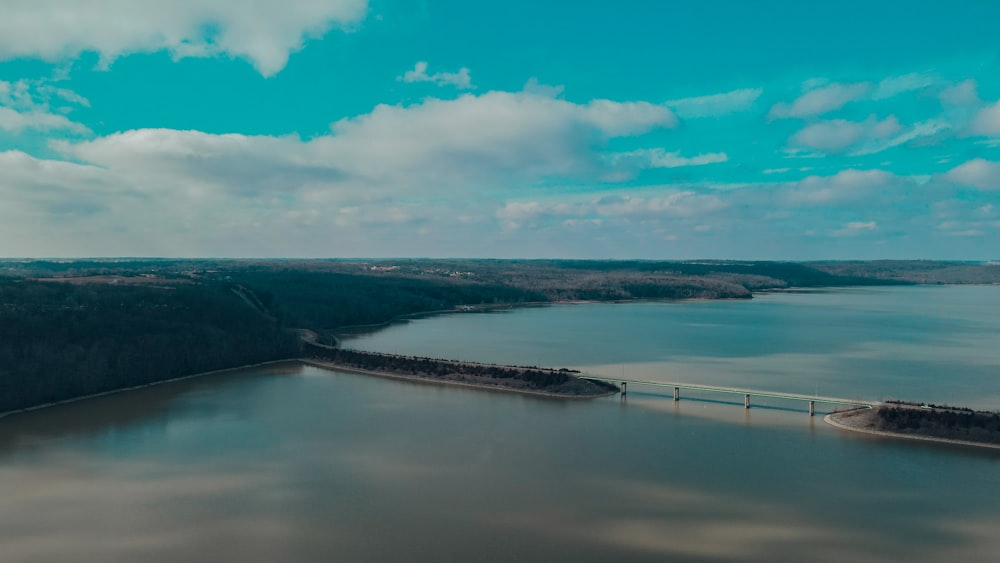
(747,393)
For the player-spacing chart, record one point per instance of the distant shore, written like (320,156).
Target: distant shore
(862,420)
(352,330)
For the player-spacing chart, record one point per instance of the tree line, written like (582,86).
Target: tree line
(59,340)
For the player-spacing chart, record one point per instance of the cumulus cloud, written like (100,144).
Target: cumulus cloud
(845,187)
(498,134)
(987,120)
(394,170)
(194,162)
(263,32)
(461,79)
(715,105)
(962,94)
(980,173)
(829,136)
(819,101)
(470,140)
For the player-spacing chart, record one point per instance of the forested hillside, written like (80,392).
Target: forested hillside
(62,340)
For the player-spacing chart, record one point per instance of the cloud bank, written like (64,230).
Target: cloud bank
(263,32)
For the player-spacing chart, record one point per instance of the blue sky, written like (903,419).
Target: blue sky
(346,128)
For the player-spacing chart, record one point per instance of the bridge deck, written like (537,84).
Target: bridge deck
(738,391)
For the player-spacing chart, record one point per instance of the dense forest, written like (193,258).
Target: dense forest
(940,422)
(75,327)
(61,340)
(328,300)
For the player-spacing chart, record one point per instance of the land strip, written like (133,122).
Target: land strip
(873,421)
(523,379)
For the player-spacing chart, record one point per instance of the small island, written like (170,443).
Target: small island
(922,421)
(522,379)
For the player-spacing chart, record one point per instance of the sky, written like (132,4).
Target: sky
(779,130)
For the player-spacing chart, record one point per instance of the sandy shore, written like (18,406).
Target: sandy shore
(483,386)
(859,420)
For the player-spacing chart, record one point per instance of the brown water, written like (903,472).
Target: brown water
(298,464)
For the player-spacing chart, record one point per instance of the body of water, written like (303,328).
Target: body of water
(294,463)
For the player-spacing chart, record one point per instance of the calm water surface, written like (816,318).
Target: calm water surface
(293,463)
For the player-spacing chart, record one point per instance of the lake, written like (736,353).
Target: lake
(294,463)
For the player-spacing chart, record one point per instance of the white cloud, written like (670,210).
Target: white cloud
(489,139)
(845,187)
(980,173)
(837,135)
(896,85)
(716,104)
(961,94)
(820,101)
(461,79)
(920,130)
(25,105)
(666,205)
(50,193)
(533,86)
(829,136)
(863,137)
(263,32)
(660,158)
(373,183)
(856,228)
(616,119)
(16,122)
(987,120)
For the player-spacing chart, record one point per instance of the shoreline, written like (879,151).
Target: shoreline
(832,420)
(301,361)
(352,330)
(145,386)
(330,366)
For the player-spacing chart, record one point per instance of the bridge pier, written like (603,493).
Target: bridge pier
(624,388)
(677,394)
(746,401)
(812,408)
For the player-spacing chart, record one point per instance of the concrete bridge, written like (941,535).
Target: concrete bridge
(747,393)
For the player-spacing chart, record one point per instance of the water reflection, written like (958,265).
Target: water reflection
(106,414)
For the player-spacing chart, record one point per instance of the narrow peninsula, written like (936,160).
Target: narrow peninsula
(522,379)
(921,421)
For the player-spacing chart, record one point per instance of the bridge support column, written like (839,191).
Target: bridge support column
(746,401)
(624,388)
(677,393)
(812,408)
